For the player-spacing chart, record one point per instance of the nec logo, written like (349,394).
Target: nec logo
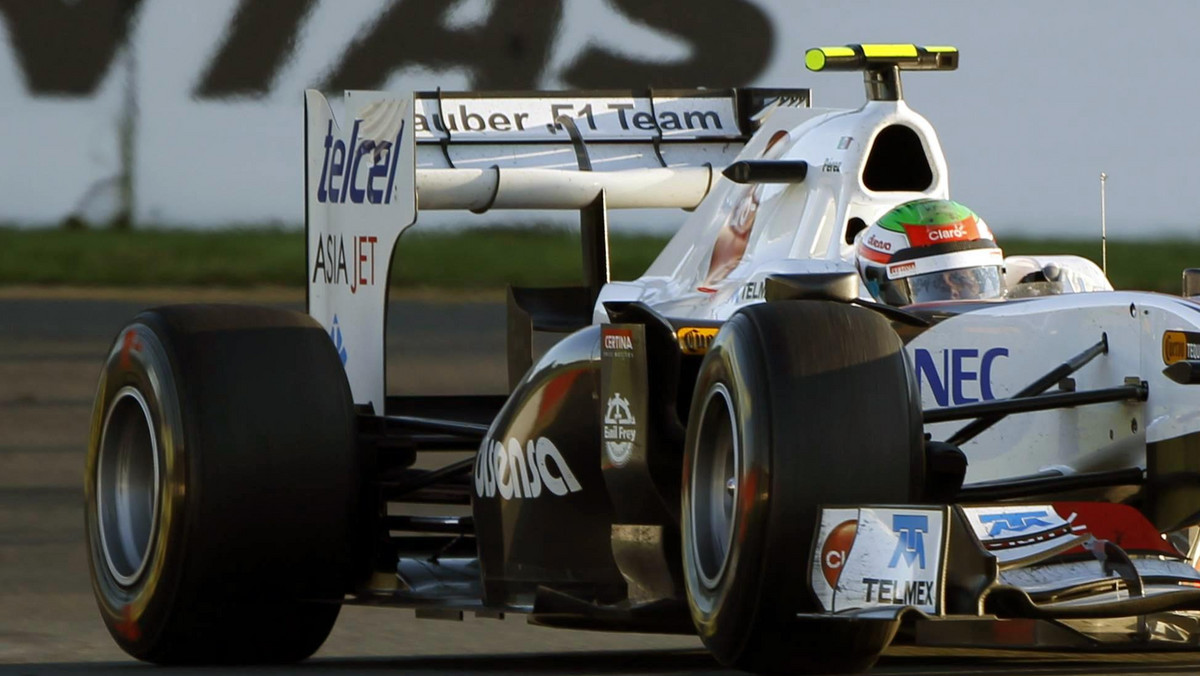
(1015,522)
(910,546)
(958,366)
(344,174)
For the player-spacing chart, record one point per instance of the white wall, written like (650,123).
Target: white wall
(1047,96)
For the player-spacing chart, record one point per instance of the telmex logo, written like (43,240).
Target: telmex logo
(901,268)
(835,550)
(343,169)
(910,546)
(517,473)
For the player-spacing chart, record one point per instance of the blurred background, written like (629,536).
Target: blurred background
(189,113)
(159,114)
(153,153)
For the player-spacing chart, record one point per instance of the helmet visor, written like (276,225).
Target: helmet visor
(976,283)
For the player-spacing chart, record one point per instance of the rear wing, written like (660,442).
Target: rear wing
(366,179)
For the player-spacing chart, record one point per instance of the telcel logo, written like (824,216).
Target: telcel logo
(343,168)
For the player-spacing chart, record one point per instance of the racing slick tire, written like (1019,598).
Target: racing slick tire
(797,404)
(221,486)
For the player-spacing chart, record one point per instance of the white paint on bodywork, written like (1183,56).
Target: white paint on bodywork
(806,220)
(366,230)
(1041,333)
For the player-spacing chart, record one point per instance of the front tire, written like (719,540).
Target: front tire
(797,404)
(221,486)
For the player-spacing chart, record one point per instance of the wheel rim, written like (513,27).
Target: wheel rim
(128,486)
(714,487)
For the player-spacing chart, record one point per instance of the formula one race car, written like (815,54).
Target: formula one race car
(744,443)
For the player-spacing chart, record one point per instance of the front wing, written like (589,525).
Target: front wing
(1061,574)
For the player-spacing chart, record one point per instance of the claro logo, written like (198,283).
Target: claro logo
(836,549)
(516,472)
(943,234)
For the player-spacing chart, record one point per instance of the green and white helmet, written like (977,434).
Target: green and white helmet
(930,250)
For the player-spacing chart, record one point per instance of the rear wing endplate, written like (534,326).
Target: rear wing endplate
(589,151)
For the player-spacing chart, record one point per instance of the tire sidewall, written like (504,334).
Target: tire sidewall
(803,377)
(132,612)
(733,598)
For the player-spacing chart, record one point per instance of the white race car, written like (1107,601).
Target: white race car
(742,443)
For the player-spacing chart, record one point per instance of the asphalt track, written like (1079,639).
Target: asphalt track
(50,352)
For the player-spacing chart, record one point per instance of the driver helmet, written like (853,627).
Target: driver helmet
(930,250)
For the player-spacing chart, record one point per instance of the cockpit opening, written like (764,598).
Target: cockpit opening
(897,162)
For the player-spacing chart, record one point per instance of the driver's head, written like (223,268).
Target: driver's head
(929,250)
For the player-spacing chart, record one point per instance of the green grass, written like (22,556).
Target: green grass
(468,259)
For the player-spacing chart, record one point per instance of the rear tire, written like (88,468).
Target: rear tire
(221,486)
(797,404)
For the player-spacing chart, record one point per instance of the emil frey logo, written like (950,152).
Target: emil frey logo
(1015,522)
(620,430)
(335,334)
(910,547)
(346,176)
